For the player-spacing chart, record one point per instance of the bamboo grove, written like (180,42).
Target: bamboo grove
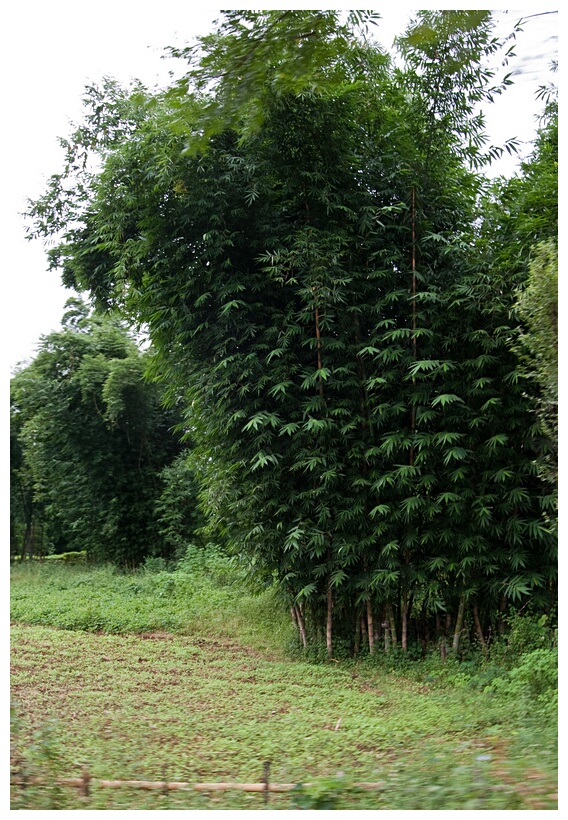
(319,274)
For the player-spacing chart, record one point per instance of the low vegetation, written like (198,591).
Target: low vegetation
(188,675)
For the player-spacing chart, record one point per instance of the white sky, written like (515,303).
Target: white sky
(53,49)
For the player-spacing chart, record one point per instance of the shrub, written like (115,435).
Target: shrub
(537,674)
(525,634)
(152,564)
(535,678)
(74,557)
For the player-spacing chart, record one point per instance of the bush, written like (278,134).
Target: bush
(537,674)
(324,794)
(211,562)
(534,679)
(74,557)
(152,565)
(526,633)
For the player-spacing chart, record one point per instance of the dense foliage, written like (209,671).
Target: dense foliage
(538,343)
(522,231)
(325,302)
(92,449)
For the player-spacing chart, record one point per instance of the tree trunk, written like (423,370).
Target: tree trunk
(439,629)
(404,635)
(501,622)
(302,627)
(299,621)
(328,630)
(363,629)
(387,636)
(390,616)
(458,627)
(357,640)
(423,630)
(28,545)
(370,629)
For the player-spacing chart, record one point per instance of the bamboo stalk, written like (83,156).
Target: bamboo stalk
(299,622)
(502,609)
(404,615)
(459,626)
(363,628)
(357,636)
(386,628)
(370,627)
(390,615)
(478,629)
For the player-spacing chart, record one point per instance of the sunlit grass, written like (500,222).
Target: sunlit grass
(100,599)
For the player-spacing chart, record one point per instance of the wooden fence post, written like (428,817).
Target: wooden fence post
(265,780)
(84,786)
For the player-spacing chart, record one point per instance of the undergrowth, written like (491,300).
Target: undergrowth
(206,594)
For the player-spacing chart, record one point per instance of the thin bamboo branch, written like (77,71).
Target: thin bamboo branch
(479,629)
(299,621)
(459,626)
(404,618)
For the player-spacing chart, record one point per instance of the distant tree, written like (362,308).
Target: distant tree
(521,233)
(26,513)
(90,443)
(179,517)
(537,306)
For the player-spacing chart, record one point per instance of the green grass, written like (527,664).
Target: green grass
(187,677)
(207,599)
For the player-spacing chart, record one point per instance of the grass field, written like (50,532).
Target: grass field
(207,692)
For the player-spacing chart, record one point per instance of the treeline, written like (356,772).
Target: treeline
(96,464)
(336,299)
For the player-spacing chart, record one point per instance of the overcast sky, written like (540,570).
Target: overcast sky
(53,49)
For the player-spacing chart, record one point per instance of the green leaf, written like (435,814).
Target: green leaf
(446,398)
